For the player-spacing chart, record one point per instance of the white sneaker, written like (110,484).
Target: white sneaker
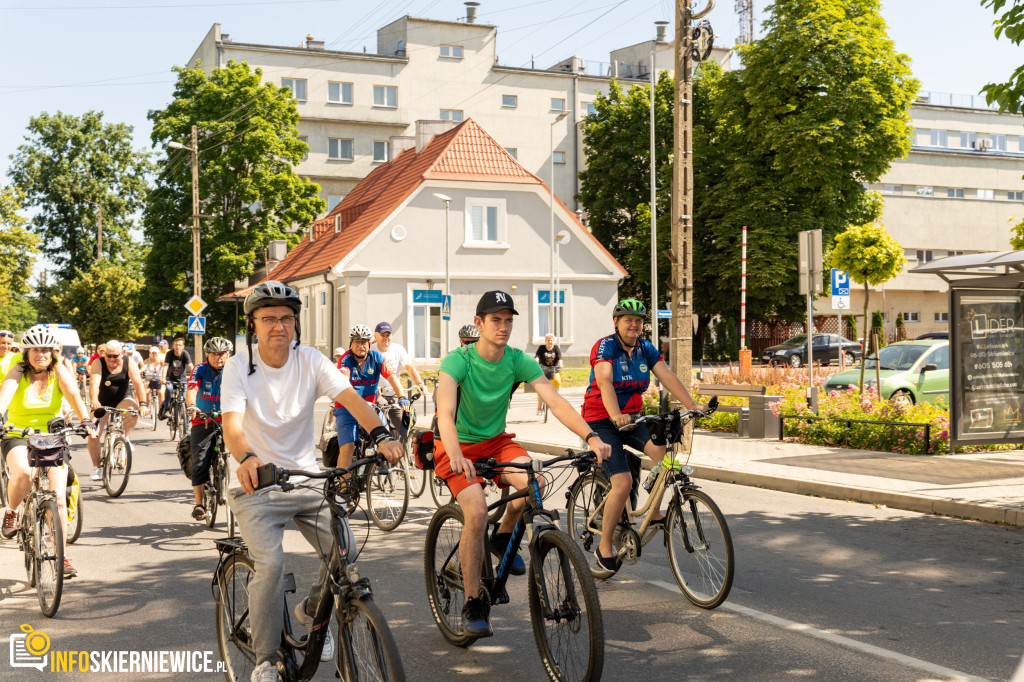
(305,620)
(540,412)
(264,672)
(97,474)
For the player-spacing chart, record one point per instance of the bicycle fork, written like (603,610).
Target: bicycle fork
(697,525)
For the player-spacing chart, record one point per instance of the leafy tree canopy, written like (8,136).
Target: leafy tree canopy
(248,147)
(18,315)
(66,163)
(18,248)
(100,301)
(1009,22)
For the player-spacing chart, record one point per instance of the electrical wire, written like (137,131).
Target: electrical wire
(216,5)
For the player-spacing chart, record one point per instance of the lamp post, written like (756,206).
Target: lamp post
(660,29)
(447,271)
(99,229)
(197,276)
(552,298)
(561,238)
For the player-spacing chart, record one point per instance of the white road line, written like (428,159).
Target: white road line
(838,639)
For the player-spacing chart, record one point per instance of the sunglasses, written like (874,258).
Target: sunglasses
(6,333)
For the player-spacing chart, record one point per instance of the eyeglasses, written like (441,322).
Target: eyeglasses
(286,320)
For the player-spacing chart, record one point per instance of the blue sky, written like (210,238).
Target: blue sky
(115,55)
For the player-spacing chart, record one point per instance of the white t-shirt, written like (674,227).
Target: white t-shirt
(396,358)
(277,404)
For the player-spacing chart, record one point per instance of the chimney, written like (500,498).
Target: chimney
(399,143)
(662,29)
(337,223)
(312,44)
(471,12)
(277,250)
(425,131)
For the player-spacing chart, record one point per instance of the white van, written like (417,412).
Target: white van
(68,338)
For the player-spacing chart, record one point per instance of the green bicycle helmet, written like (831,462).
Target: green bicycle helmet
(629,306)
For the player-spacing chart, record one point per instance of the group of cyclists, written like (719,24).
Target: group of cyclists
(265,397)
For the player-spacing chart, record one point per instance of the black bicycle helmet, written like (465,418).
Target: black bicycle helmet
(269,294)
(217,344)
(629,306)
(469,331)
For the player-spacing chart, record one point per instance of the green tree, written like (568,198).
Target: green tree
(1009,95)
(248,147)
(100,302)
(19,314)
(820,109)
(872,257)
(67,162)
(18,248)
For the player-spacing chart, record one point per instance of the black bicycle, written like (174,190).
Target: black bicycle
(400,423)
(564,607)
(367,649)
(215,491)
(177,419)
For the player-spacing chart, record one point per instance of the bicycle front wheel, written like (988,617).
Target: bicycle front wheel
(49,557)
(417,477)
(565,610)
(117,467)
(443,572)
(73,502)
(584,497)
(700,549)
(210,501)
(439,490)
(154,400)
(3,483)
(387,494)
(368,650)
(234,628)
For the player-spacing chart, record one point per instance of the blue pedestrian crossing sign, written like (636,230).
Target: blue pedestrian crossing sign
(196,325)
(446,307)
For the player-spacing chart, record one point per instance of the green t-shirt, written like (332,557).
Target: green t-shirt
(485,389)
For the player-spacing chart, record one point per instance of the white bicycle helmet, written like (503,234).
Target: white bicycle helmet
(217,344)
(469,331)
(39,337)
(360,331)
(79,350)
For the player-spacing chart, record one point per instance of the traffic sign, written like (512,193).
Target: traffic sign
(840,303)
(664,314)
(446,307)
(195,305)
(840,283)
(196,325)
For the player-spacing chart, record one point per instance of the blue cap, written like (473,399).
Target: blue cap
(382,327)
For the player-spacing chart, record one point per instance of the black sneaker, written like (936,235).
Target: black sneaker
(474,618)
(10,525)
(499,541)
(604,567)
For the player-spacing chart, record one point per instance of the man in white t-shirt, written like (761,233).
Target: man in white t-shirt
(267,400)
(396,358)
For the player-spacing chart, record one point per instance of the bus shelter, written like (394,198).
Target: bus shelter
(986,341)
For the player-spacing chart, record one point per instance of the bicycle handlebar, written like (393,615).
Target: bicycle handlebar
(687,414)
(490,467)
(100,412)
(281,476)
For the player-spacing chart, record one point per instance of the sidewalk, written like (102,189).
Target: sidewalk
(985,486)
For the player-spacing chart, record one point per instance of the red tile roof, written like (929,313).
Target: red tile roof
(465,153)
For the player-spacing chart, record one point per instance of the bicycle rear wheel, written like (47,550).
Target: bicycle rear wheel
(387,494)
(73,502)
(210,501)
(3,483)
(368,651)
(700,549)
(417,477)
(565,610)
(439,490)
(117,466)
(49,557)
(154,400)
(583,499)
(234,628)
(443,573)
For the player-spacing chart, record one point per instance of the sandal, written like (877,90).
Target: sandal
(199,512)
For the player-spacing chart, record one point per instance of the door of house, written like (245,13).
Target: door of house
(426,324)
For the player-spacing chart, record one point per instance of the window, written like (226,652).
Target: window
(451,51)
(339,149)
(910,317)
(485,222)
(1015,196)
(333,200)
(986,194)
(955,253)
(339,93)
(513,152)
(385,96)
(558,157)
(939,358)
(892,189)
(925,191)
(955,192)
(511,101)
(305,301)
(942,317)
(426,330)
(381,150)
(938,138)
(451,114)
(557,104)
(998,142)
(542,313)
(297,86)
(967,140)
(591,109)
(924,257)
(305,138)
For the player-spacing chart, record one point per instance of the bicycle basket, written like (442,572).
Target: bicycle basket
(185,455)
(46,450)
(424,449)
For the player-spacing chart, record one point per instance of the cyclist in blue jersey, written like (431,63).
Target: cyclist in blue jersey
(621,366)
(203,393)
(364,369)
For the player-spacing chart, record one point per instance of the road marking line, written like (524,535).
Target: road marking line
(837,639)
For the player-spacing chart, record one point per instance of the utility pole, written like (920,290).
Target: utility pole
(196,272)
(681,255)
(99,229)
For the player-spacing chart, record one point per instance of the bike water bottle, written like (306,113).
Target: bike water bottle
(652,477)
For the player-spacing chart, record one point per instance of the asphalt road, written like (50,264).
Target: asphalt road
(824,590)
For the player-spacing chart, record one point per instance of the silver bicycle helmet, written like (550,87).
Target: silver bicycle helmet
(39,337)
(217,344)
(272,293)
(360,331)
(469,331)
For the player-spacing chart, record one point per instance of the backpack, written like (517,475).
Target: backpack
(423,449)
(185,455)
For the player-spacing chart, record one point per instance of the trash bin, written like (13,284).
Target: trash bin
(763,424)
(744,426)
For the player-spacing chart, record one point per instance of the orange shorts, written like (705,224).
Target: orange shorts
(501,448)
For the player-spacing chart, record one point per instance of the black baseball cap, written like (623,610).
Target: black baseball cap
(493,301)
(382,327)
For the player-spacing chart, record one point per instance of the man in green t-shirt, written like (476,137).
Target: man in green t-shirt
(474,388)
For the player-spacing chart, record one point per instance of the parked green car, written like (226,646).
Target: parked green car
(911,371)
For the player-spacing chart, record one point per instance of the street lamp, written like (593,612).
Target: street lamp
(552,298)
(561,239)
(447,271)
(197,277)
(660,27)
(99,229)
